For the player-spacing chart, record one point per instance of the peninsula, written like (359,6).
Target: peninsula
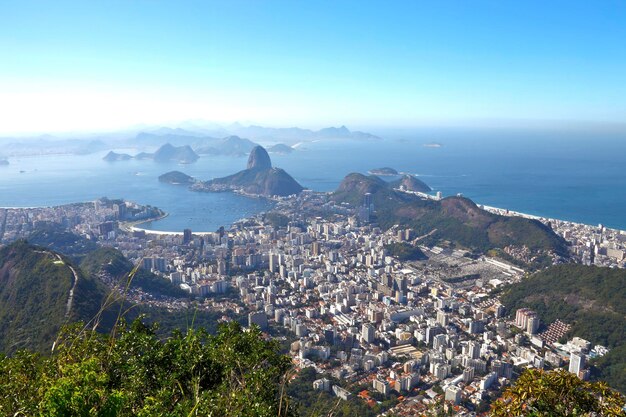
(259,178)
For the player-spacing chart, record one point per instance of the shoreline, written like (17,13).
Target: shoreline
(132,226)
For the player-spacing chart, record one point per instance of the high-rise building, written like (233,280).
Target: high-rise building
(186,236)
(259,318)
(468,375)
(439,341)
(576,362)
(315,248)
(532,326)
(368,333)
(453,394)
(442,317)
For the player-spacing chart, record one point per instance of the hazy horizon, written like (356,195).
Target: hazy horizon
(83,66)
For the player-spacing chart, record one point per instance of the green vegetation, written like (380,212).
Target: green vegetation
(591,299)
(405,252)
(313,403)
(130,372)
(34,292)
(176,177)
(59,240)
(555,394)
(454,219)
(35,288)
(276,220)
(114,263)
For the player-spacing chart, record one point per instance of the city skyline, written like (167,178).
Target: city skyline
(72,66)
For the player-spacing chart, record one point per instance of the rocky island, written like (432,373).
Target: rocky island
(181,154)
(385,172)
(280,148)
(176,178)
(114,156)
(259,178)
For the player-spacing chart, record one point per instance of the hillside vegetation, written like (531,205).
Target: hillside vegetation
(62,241)
(132,373)
(35,286)
(454,219)
(112,262)
(592,299)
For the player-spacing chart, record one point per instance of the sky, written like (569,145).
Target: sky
(80,65)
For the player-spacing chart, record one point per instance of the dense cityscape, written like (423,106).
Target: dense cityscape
(420,329)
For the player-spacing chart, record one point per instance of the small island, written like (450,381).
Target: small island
(280,148)
(114,156)
(176,178)
(432,145)
(385,172)
(3,162)
(170,153)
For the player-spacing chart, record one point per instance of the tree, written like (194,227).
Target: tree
(236,372)
(557,393)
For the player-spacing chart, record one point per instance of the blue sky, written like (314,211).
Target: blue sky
(103,64)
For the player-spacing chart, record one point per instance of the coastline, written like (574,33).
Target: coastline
(513,213)
(133,226)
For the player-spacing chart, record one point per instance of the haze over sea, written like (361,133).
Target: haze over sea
(576,176)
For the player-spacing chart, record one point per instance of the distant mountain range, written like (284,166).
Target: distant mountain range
(203,137)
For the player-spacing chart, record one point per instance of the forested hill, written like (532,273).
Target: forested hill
(455,219)
(592,299)
(36,283)
(112,263)
(39,291)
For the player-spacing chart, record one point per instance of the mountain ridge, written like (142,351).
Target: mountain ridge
(455,219)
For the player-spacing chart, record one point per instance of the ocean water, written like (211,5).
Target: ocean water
(577,176)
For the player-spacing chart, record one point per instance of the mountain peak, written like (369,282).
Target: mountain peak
(259,158)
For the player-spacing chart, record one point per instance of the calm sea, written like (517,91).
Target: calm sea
(572,176)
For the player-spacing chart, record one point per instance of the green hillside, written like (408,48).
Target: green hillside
(591,299)
(454,219)
(35,288)
(191,373)
(60,240)
(113,262)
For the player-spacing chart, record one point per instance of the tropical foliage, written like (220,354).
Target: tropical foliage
(557,393)
(130,372)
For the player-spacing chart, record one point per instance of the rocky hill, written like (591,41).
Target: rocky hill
(182,154)
(258,178)
(454,219)
(177,178)
(411,183)
(114,156)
